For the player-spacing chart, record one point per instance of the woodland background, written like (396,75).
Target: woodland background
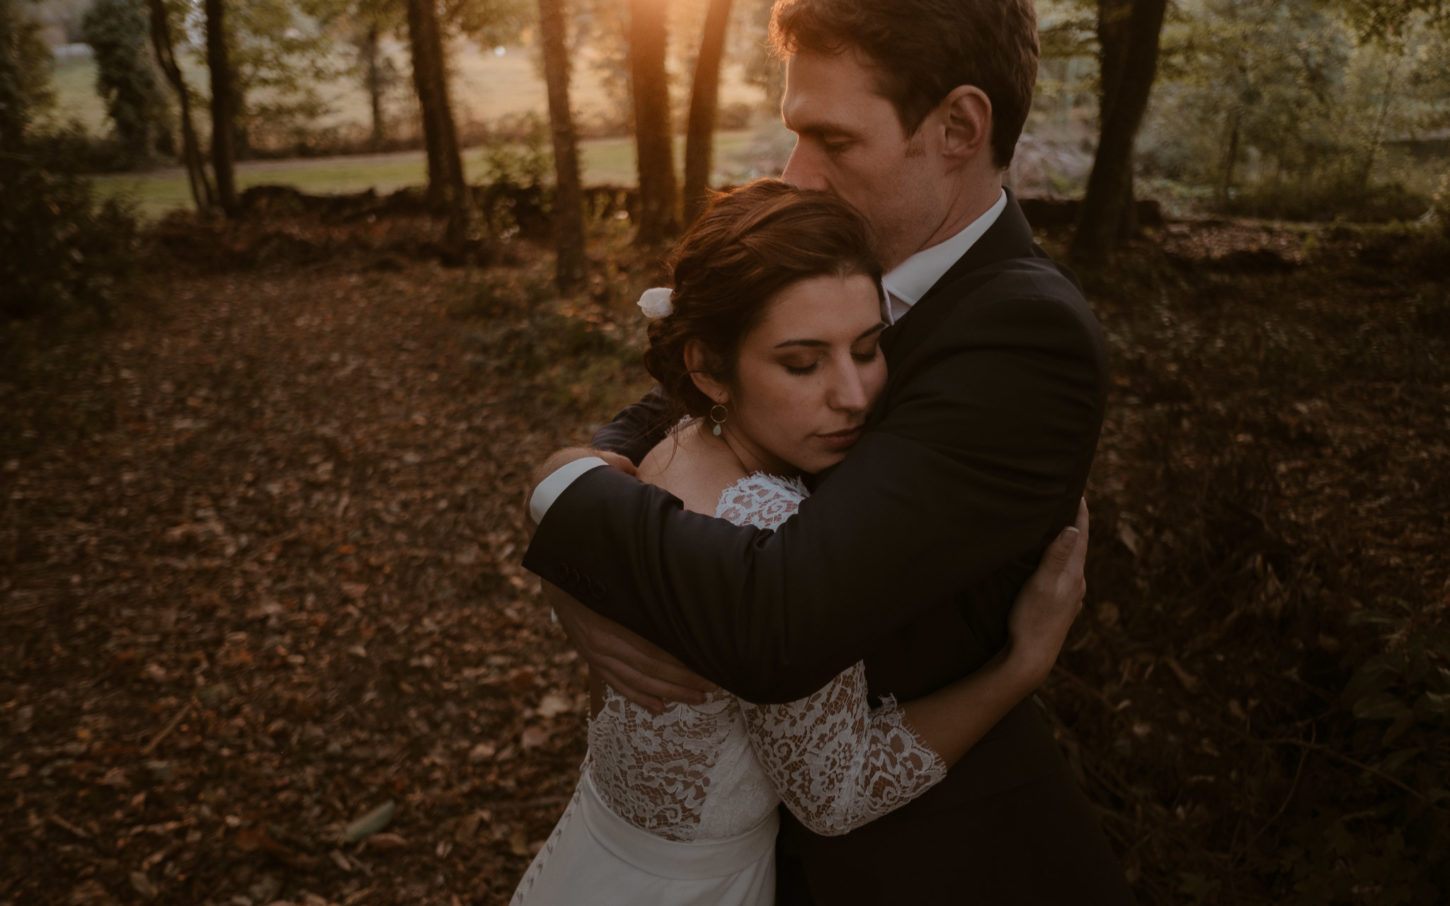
(292,295)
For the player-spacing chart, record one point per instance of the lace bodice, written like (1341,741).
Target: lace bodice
(718,769)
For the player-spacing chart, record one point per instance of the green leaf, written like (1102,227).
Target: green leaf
(1399,759)
(1379,706)
(1402,722)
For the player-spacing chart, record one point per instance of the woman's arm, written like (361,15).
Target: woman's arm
(838,764)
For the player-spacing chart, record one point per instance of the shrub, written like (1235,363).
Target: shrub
(61,253)
(1327,199)
(126,78)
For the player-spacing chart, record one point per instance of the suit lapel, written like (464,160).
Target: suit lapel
(1007,239)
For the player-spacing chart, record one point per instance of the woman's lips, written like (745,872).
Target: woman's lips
(842,440)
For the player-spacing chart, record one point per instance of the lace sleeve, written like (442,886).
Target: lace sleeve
(836,762)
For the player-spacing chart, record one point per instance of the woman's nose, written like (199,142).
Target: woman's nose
(848,392)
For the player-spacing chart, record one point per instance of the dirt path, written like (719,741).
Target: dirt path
(260,578)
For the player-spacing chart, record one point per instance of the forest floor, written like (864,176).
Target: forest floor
(265,638)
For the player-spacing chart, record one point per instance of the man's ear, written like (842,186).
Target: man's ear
(700,364)
(966,122)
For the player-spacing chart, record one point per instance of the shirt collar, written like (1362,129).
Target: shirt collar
(910,280)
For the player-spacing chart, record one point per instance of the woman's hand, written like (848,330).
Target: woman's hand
(1049,602)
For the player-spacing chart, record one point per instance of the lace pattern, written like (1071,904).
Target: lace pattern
(717,769)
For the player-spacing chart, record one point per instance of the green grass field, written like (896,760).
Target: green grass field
(739,155)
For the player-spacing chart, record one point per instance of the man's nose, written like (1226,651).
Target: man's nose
(801,169)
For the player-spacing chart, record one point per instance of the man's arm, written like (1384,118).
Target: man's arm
(980,459)
(636,429)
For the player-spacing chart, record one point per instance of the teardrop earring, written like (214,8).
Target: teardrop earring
(719,420)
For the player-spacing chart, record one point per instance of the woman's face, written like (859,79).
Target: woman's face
(807,375)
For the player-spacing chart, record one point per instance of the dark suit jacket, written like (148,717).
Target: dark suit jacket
(909,553)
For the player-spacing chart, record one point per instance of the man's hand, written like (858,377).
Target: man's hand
(637,669)
(561,458)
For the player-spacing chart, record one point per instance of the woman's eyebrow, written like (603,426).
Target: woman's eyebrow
(874,329)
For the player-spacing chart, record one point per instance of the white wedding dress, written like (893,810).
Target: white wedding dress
(679,808)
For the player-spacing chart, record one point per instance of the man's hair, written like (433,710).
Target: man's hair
(750,245)
(922,49)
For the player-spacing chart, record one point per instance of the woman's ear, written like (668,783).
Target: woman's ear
(698,362)
(967,122)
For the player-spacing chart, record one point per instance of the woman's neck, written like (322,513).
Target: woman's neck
(696,466)
(750,456)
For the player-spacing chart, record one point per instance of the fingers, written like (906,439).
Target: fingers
(1079,550)
(616,460)
(1066,556)
(646,690)
(557,460)
(649,669)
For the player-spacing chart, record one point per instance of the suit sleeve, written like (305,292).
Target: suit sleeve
(636,429)
(979,459)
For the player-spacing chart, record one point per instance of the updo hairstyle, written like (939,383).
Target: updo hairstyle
(751,244)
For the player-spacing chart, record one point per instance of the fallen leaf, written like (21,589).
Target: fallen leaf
(369,824)
(533,737)
(554,704)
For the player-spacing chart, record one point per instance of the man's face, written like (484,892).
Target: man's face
(850,142)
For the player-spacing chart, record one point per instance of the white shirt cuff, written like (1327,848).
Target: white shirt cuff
(557,483)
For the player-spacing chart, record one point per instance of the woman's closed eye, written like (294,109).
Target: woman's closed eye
(801,366)
(867,355)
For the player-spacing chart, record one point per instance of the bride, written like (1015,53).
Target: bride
(767,346)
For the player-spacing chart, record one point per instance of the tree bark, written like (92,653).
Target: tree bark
(1128,33)
(658,220)
(571,265)
(447,189)
(223,112)
(374,77)
(1230,161)
(704,109)
(202,192)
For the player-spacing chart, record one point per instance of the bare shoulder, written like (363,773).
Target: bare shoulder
(693,466)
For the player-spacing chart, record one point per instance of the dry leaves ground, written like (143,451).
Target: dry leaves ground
(259,575)
(264,636)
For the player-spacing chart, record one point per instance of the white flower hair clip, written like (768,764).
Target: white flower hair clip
(656,302)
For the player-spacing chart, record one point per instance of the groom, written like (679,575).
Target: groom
(909,553)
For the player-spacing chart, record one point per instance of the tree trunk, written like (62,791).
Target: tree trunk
(1230,161)
(374,77)
(658,221)
(704,107)
(571,266)
(1377,135)
(446,186)
(14,103)
(1129,58)
(428,104)
(201,189)
(223,112)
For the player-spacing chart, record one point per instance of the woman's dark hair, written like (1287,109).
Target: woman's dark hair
(751,244)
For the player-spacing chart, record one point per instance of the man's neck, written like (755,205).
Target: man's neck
(976,198)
